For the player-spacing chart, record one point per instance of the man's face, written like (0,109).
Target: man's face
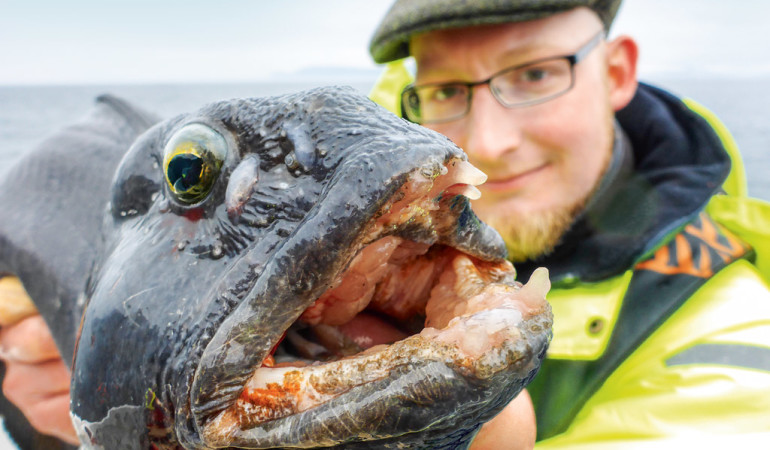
(545,160)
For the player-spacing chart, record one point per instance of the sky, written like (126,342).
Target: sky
(190,41)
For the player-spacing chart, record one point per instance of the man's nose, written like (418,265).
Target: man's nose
(492,129)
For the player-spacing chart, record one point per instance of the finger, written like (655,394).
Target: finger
(15,304)
(514,428)
(28,341)
(26,384)
(52,417)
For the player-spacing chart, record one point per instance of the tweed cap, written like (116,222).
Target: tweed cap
(409,17)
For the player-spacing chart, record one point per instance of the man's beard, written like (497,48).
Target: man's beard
(536,233)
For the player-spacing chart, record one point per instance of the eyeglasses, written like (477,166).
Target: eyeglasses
(521,85)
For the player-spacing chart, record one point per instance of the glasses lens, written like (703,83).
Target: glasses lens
(534,82)
(435,103)
(410,104)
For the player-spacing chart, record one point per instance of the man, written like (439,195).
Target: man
(661,309)
(661,314)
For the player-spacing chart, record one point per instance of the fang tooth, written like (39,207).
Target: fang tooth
(265,376)
(334,340)
(305,348)
(533,293)
(467,173)
(471,192)
(539,281)
(464,189)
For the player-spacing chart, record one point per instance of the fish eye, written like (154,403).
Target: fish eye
(192,160)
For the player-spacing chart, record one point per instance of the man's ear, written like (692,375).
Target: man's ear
(622,55)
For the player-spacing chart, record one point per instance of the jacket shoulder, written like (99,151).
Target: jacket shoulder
(705,368)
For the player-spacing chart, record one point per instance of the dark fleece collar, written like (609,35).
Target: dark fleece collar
(667,163)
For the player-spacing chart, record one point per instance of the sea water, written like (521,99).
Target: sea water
(29,113)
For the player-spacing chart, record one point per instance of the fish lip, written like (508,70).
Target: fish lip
(203,410)
(418,357)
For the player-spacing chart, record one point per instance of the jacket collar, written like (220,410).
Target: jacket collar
(667,163)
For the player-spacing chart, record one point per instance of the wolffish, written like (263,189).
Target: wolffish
(294,271)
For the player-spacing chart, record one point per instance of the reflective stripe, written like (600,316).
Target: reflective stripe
(745,356)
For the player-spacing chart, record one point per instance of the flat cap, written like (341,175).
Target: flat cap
(409,17)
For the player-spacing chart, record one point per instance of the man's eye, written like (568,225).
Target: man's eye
(534,75)
(446,93)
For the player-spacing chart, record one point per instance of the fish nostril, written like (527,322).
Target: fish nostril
(291,161)
(303,152)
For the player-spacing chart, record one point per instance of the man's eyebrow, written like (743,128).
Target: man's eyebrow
(519,50)
(534,50)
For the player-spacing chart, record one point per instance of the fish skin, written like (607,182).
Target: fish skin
(61,189)
(158,354)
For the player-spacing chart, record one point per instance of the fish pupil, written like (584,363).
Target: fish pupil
(184,171)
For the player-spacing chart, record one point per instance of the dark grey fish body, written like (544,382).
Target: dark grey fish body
(217,232)
(53,203)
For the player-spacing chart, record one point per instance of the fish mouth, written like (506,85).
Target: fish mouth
(408,303)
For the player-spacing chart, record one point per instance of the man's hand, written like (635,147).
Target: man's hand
(36,379)
(514,428)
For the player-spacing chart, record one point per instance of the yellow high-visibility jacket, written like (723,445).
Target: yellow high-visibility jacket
(668,346)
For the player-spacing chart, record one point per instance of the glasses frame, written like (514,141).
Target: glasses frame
(579,55)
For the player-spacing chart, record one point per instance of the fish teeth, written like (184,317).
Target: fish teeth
(539,284)
(459,178)
(534,292)
(467,173)
(470,191)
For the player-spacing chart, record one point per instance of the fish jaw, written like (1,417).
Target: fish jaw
(437,379)
(482,341)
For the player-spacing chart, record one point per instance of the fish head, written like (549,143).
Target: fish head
(300,271)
